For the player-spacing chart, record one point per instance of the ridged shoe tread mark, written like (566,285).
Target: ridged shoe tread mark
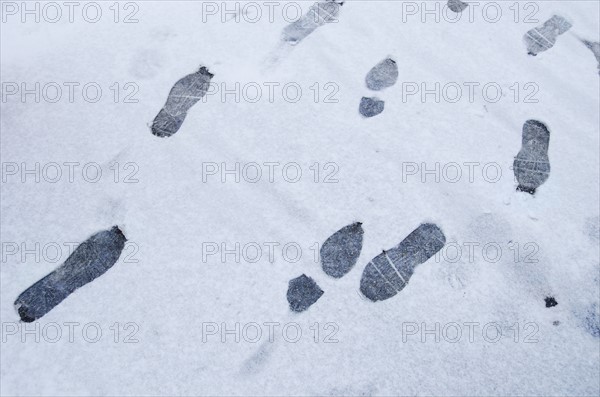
(389,272)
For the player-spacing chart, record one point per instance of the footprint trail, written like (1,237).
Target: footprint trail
(457,5)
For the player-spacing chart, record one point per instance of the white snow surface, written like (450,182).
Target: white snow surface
(171,293)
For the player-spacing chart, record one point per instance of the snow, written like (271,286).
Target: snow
(172,296)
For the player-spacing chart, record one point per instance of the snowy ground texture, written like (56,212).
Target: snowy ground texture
(178,318)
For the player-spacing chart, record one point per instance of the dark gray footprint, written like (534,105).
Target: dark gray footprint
(532,166)
(382,75)
(595,47)
(318,15)
(302,292)
(184,94)
(340,252)
(370,107)
(389,272)
(90,260)
(543,37)
(457,5)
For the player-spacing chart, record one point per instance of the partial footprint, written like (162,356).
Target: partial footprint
(257,361)
(370,107)
(184,94)
(90,260)
(591,320)
(302,292)
(389,272)
(592,228)
(340,252)
(457,5)
(543,38)
(595,47)
(532,166)
(382,75)
(318,15)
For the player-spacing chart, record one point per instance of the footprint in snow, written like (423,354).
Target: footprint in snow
(457,5)
(370,107)
(595,48)
(385,276)
(532,166)
(302,292)
(591,320)
(318,15)
(381,76)
(592,228)
(389,272)
(544,37)
(340,252)
(89,261)
(184,94)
